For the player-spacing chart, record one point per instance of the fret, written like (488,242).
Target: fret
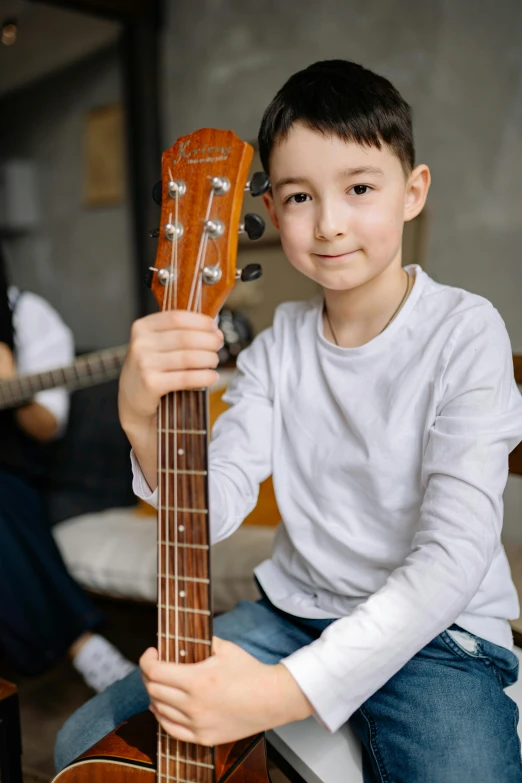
(184,546)
(185,529)
(172,608)
(169,778)
(192,579)
(183,510)
(188,761)
(195,594)
(174,471)
(188,639)
(171,431)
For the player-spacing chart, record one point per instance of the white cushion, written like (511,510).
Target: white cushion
(114,552)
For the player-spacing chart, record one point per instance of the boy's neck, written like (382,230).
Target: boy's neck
(358,315)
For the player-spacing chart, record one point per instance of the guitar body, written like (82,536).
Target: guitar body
(128,755)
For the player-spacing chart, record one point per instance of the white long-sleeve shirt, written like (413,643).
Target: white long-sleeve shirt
(389,462)
(42,342)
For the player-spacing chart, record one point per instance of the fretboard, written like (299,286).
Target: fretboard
(184,592)
(88,370)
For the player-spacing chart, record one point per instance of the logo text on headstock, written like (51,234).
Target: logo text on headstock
(204,154)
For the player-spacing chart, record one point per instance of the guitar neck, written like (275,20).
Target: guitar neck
(184,591)
(88,370)
(184,606)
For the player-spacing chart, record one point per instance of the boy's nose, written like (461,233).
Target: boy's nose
(329,224)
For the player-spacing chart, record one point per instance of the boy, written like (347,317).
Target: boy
(385,410)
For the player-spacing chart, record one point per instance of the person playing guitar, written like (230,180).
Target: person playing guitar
(44,614)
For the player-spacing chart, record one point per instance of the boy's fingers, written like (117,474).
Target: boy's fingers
(175,340)
(174,698)
(176,319)
(170,361)
(167,711)
(183,380)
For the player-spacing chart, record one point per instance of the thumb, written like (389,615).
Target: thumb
(147,660)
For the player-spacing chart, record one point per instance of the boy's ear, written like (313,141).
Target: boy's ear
(416,191)
(268,201)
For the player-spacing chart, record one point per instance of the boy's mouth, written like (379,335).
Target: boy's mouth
(338,256)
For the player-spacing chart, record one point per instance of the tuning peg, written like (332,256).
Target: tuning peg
(259,184)
(254,226)
(147,277)
(249,273)
(156,193)
(154,233)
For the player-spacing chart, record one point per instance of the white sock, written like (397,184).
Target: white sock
(101,664)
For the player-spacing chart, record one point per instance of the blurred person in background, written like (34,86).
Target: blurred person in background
(43,612)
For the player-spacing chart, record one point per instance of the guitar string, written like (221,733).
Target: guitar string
(165,532)
(187,526)
(198,424)
(163,737)
(194,395)
(173,301)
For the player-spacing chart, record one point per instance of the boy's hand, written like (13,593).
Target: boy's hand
(7,362)
(168,351)
(224,698)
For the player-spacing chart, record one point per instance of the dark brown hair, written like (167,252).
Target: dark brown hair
(342,98)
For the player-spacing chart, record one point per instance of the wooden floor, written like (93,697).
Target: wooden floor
(47,701)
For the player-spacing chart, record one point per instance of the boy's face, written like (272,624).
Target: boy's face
(340,207)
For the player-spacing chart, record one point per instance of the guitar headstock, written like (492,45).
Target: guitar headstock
(204,176)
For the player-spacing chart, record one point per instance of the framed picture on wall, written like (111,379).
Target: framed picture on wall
(103,156)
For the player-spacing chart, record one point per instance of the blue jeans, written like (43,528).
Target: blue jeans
(443,718)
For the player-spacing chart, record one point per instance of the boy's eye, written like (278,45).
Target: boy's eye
(360,190)
(298,198)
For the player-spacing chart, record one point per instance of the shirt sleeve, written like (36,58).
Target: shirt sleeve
(464,472)
(240,452)
(43,342)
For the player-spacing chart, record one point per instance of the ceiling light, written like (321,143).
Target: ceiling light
(9,32)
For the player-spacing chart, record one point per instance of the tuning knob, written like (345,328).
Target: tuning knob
(156,193)
(259,184)
(254,226)
(148,276)
(154,233)
(249,273)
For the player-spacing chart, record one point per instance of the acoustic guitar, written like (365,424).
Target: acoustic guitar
(88,370)
(203,178)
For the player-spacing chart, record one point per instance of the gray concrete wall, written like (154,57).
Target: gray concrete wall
(79,257)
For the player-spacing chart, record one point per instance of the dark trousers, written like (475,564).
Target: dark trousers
(42,609)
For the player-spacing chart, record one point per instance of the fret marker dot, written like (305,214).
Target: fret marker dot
(182,652)
(181,452)
(182,593)
(181,528)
